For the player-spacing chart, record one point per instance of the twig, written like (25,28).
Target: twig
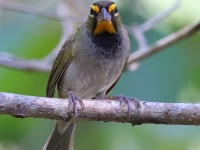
(9,60)
(138,34)
(43,65)
(156,19)
(67,30)
(100,110)
(138,31)
(163,43)
(22,8)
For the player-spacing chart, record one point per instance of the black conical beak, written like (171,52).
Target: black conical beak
(103,15)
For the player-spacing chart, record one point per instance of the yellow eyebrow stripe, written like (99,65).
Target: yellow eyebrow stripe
(95,8)
(111,7)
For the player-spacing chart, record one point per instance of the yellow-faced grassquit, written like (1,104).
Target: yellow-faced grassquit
(89,64)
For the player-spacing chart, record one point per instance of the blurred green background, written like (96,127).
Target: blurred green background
(169,76)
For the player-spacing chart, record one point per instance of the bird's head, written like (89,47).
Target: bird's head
(104,18)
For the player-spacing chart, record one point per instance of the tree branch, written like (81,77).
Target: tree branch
(45,64)
(67,29)
(163,43)
(156,19)
(137,31)
(108,109)
(9,60)
(22,8)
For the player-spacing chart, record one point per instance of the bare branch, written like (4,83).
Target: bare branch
(67,30)
(108,109)
(9,60)
(156,19)
(22,8)
(138,31)
(43,65)
(138,34)
(163,43)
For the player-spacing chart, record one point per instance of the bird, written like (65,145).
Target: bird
(88,65)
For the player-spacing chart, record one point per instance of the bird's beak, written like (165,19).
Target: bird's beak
(103,15)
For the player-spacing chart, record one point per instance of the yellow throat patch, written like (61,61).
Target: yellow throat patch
(104,26)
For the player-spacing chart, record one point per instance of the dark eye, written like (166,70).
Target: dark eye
(92,12)
(115,11)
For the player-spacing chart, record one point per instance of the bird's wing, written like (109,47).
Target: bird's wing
(62,61)
(111,88)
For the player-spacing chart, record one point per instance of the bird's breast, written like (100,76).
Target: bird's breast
(94,67)
(92,75)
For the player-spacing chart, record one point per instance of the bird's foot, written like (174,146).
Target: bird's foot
(73,100)
(127,100)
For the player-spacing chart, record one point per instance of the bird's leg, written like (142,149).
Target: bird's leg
(127,100)
(73,100)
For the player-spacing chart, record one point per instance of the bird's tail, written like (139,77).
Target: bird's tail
(62,137)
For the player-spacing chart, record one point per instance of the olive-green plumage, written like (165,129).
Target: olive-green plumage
(90,63)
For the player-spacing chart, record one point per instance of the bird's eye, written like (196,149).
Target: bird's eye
(92,13)
(115,11)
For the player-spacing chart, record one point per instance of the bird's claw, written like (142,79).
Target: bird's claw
(73,100)
(127,100)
